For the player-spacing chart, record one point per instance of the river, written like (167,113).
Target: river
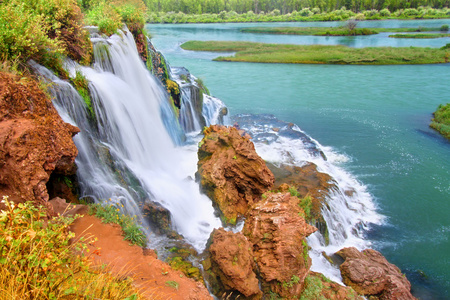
(374,117)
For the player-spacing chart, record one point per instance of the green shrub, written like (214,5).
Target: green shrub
(133,17)
(444,27)
(23,35)
(105,17)
(42,30)
(385,12)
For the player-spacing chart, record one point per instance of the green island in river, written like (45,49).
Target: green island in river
(333,31)
(320,54)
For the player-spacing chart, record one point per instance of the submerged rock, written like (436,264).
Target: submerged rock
(277,230)
(230,171)
(35,142)
(370,274)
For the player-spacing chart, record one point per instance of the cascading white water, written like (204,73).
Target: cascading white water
(349,210)
(197,108)
(130,153)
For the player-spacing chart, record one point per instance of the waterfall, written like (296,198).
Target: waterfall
(197,108)
(348,210)
(130,153)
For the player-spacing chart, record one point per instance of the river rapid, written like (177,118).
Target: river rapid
(371,120)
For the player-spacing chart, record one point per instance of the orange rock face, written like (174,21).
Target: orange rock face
(277,231)
(369,273)
(230,171)
(34,141)
(308,182)
(232,261)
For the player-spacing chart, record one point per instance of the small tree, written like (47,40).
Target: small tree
(351,25)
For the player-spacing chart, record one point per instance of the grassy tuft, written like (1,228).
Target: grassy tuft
(111,213)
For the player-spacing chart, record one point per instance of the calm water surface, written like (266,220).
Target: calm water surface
(377,116)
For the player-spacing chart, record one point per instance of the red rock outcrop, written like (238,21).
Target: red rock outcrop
(34,141)
(369,273)
(308,181)
(230,171)
(277,231)
(232,261)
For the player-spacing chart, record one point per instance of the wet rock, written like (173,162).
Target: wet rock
(277,230)
(230,171)
(232,265)
(159,218)
(370,274)
(34,141)
(308,181)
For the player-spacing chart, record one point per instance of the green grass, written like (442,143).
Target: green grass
(111,213)
(420,35)
(331,31)
(441,120)
(319,54)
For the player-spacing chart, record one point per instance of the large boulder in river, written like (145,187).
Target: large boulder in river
(34,141)
(231,267)
(308,182)
(370,274)
(230,171)
(276,228)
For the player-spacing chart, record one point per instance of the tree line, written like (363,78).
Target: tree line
(285,6)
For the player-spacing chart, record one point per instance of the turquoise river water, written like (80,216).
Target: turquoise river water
(375,116)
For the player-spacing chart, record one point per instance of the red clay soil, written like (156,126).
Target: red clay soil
(149,273)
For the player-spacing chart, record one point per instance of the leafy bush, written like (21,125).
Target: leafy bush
(385,12)
(133,17)
(105,17)
(23,35)
(444,27)
(42,30)
(38,262)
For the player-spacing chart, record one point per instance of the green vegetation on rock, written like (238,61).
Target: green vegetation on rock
(320,54)
(81,84)
(441,120)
